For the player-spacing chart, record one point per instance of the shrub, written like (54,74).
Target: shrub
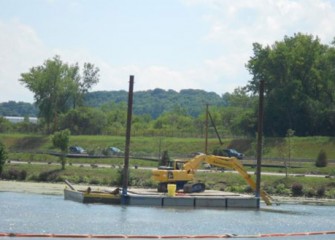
(105,152)
(105,181)
(218,151)
(33,178)
(240,189)
(269,189)
(118,181)
(280,188)
(14,174)
(94,181)
(49,176)
(248,189)
(235,188)
(321,160)
(297,189)
(320,192)
(330,193)
(23,175)
(310,192)
(3,156)
(83,179)
(149,183)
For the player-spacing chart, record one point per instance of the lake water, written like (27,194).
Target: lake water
(34,213)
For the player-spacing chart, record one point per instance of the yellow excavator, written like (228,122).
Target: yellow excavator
(182,172)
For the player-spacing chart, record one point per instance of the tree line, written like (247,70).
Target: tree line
(110,119)
(299,75)
(299,80)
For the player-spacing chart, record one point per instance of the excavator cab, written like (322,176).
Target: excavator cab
(174,165)
(175,173)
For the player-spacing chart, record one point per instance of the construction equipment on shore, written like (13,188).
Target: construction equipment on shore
(182,174)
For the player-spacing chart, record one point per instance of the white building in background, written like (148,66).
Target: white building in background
(20,119)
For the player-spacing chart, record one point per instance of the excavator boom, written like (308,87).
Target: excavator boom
(233,163)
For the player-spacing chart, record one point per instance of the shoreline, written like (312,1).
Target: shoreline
(58,189)
(32,187)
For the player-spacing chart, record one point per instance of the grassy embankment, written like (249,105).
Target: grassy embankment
(28,148)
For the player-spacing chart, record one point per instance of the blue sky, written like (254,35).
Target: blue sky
(168,44)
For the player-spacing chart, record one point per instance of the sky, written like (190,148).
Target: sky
(167,44)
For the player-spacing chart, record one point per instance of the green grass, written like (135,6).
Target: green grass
(30,148)
(46,158)
(88,175)
(301,147)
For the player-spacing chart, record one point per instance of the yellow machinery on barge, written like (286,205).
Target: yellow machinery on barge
(181,173)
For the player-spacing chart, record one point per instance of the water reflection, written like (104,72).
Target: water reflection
(285,211)
(51,214)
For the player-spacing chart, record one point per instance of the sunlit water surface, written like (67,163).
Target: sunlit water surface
(33,213)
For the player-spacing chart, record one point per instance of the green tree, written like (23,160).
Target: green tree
(238,115)
(174,122)
(84,120)
(244,122)
(116,117)
(60,140)
(299,84)
(12,108)
(26,126)
(140,124)
(58,86)
(3,156)
(83,84)
(321,160)
(5,125)
(239,98)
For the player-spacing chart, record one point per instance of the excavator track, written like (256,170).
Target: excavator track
(194,187)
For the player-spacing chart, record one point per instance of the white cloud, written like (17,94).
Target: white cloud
(267,21)
(233,27)
(19,48)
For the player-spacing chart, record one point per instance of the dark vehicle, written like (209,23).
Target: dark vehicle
(76,150)
(233,153)
(115,151)
(227,152)
(195,154)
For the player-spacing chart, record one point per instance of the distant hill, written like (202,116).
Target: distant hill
(152,102)
(157,101)
(18,109)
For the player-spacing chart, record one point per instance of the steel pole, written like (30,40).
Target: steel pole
(128,132)
(259,138)
(206,131)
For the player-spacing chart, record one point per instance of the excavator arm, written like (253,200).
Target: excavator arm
(233,163)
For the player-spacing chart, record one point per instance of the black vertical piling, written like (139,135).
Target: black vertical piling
(259,138)
(206,131)
(126,152)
